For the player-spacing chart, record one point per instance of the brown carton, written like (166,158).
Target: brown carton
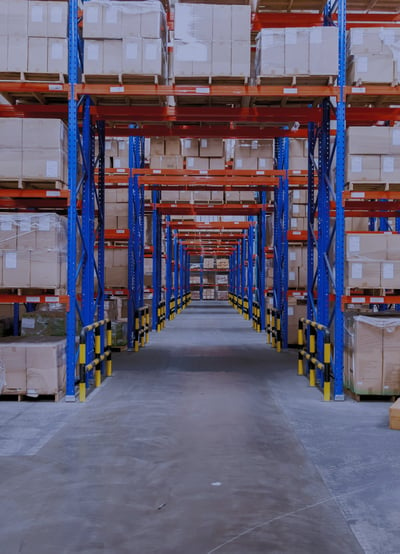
(46,365)
(391,360)
(367,356)
(323,51)
(363,274)
(390,275)
(366,246)
(16,269)
(13,358)
(368,140)
(296,51)
(217,163)
(190,147)
(393,246)
(363,168)
(394,415)
(197,163)
(212,148)
(172,146)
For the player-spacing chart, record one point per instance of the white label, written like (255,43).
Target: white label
(296,209)
(44,223)
(121,145)
(37,14)
(28,323)
(260,172)
(150,52)
(388,271)
(354,244)
(117,162)
(131,51)
(358,90)
(51,168)
(316,35)
(6,223)
(203,172)
(388,164)
(262,162)
(117,89)
(358,300)
(187,143)
(356,271)
(203,143)
(34,299)
(92,14)
(293,222)
(254,145)
(396,137)
(55,87)
(239,163)
(292,276)
(53,193)
(203,90)
(357,36)
(93,51)
(290,310)
(50,299)
(292,256)
(296,195)
(356,164)
(377,299)
(57,51)
(290,90)
(56,14)
(11,260)
(111,15)
(25,225)
(156,171)
(357,194)
(108,145)
(189,162)
(362,64)
(290,36)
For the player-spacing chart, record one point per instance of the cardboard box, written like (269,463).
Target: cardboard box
(391,362)
(46,365)
(190,147)
(296,51)
(57,19)
(363,274)
(53,133)
(37,55)
(221,59)
(16,269)
(370,68)
(367,357)
(390,275)
(365,40)
(296,310)
(366,246)
(112,57)
(217,163)
(221,30)
(93,57)
(47,164)
(173,146)
(153,57)
(14,18)
(13,358)
(197,163)
(270,53)
(132,56)
(265,163)
(57,55)
(394,415)
(298,223)
(299,196)
(45,269)
(92,19)
(368,140)
(323,51)
(10,163)
(201,196)
(363,168)
(212,148)
(245,163)
(298,210)
(15,53)
(112,18)
(394,142)
(166,162)
(240,22)
(393,246)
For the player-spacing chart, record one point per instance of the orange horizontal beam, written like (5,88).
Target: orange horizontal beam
(367,299)
(33,86)
(34,299)
(220,225)
(369,195)
(224,131)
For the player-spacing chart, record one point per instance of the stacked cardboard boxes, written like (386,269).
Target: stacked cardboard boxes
(297,308)
(33,250)
(24,157)
(373,260)
(297,266)
(211,41)
(310,52)
(33,37)
(123,37)
(373,55)
(254,154)
(33,365)
(373,154)
(371,354)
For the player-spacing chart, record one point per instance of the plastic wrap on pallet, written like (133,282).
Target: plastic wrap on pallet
(33,250)
(374,55)
(203,47)
(128,38)
(371,354)
(297,52)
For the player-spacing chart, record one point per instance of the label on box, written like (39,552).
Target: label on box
(296,195)
(108,145)
(296,208)
(362,64)
(293,222)
(5,223)
(28,323)
(292,256)
(396,137)
(57,51)
(150,52)
(92,14)
(25,225)
(131,51)
(356,271)
(203,143)
(189,162)
(51,168)
(239,163)
(44,223)
(316,35)
(56,14)
(121,145)
(388,271)
(357,37)
(93,51)
(292,276)
(290,310)
(187,143)
(267,39)
(388,164)
(11,260)
(354,244)
(37,14)
(356,164)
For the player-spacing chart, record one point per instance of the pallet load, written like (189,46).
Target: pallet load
(372,260)
(33,40)
(373,155)
(371,354)
(373,55)
(125,40)
(24,158)
(33,366)
(254,154)
(211,41)
(33,250)
(309,53)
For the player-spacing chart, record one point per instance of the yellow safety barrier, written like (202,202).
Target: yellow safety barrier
(310,354)
(273,328)
(141,328)
(101,355)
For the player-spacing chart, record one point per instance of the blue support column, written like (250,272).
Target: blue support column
(340,175)
(311,242)
(100,232)
(168,266)
(201,276)
(262,242)
(156,258)
(176,271)
(243,244)
(237,271)
(181,275)
(250,267)
(72,185)
(132,258)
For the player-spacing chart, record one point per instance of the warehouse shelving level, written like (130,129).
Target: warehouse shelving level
(368,104)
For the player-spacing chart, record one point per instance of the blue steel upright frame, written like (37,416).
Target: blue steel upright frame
(261,245)
(156,198)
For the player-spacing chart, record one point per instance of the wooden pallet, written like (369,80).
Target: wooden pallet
(364,186)
(23,183)
(208,80)
(296,80)
(25,76)
(25,397)
(122,79)
(370,397)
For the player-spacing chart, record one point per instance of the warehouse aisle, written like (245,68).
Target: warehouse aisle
(187,449)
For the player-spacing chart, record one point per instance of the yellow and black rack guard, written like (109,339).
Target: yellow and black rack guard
(161,312)
(256,317)
(100,356)
(172,308)
(142,328)
(273,328)
(310,354)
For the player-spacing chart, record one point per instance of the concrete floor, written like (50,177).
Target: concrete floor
(205,441)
